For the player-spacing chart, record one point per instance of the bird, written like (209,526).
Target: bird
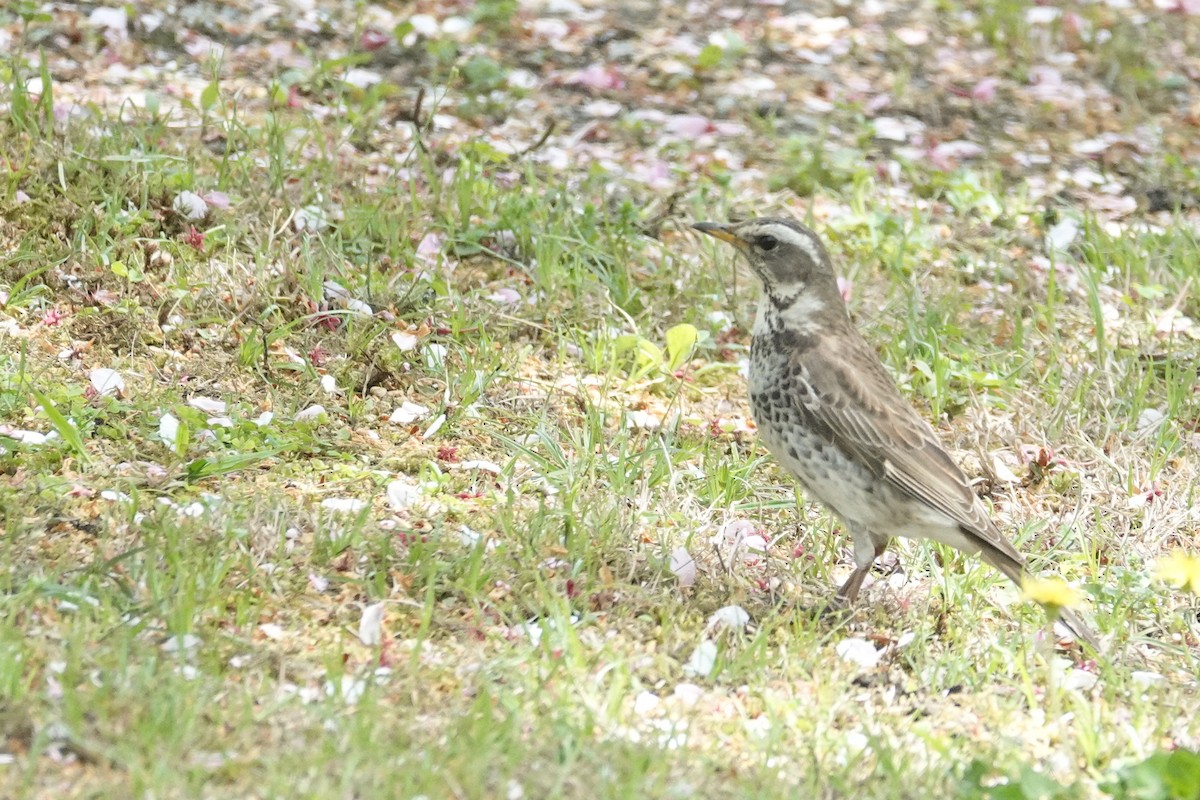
(828,410)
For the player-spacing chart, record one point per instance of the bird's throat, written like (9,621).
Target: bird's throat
(801,310)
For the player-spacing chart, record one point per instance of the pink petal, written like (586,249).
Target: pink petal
(597,76)
(372,39)
(505,295)
(985,90)
(947,154)
(683,566)
(845,288)
(689,125)
(216,199)
(430,246)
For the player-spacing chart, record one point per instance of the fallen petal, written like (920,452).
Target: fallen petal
(344,505)
(402,493)
(859,652)
(732,617)
(107,381)
(370,627)
(702,660)
(310,413)
(207,405)
(683,566)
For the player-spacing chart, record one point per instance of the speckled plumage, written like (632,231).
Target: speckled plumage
(827,409)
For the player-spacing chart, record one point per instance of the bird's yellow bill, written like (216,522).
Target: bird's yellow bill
(718,230)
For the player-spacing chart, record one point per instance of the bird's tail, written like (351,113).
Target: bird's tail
(1015,570)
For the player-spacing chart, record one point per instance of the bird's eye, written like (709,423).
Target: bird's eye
(767,243)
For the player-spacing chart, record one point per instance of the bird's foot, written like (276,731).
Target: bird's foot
(835,610)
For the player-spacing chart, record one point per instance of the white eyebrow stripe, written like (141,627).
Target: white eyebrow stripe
(792,236)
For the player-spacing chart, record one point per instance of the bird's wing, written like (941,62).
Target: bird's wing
(854,402)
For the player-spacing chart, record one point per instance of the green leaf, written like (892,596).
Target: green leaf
(1162,776)
(681,341)
(1182,775)
(209,96)
(68,432)
(183,437)
(645,352)
(200,468)
(129,273)
(710,57)
(1036,786)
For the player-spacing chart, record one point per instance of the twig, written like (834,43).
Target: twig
(653,226)
(416,121)
(541,141)
(727,567)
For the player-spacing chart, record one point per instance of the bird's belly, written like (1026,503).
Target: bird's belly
(827,474)
(861,499)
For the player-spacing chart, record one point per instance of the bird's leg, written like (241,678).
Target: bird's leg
(866,550)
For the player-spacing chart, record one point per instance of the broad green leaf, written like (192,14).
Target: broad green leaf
(681,341)
(209,96)
(646,353)
(710,56)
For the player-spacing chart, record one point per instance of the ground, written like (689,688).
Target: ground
(372,423)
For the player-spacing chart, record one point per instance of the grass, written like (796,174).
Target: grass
(184,616)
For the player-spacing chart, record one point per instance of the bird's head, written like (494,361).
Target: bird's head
(788,258)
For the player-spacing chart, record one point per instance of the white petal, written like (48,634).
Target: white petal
(703,659)
(30,437)
(1002,472)
(859,652)
(271,631)
(733,617)
(185,642)
(1062,234)
(344,505)
(407,413)
(434,426)
(435,355)
(207,404)
(486,466)
(107,381)
(111,19)
(683,566)
(645,420)
(310,413)
(1145,678)
(645,702)
(1080,680)
(168,428)
(402,493)
(404,340)
(370,627)
(362,78)
(755,542)
(891,129)
(190,206)
(424,24)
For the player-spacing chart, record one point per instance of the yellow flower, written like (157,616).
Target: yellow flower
(1180,569)
(1053,593)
